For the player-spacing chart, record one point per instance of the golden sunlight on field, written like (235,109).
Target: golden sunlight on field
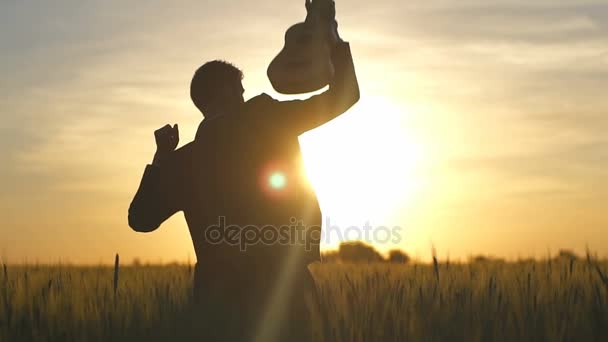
(557,299)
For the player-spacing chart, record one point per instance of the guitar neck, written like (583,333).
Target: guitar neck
(320,11)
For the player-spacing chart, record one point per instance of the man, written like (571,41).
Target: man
(241,176)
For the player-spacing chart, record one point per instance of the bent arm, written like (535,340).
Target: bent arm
(343,91)
(156,200)
(342,94)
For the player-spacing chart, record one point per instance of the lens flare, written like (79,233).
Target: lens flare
(277,180)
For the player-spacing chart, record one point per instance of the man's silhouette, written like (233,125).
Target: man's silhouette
(242,174)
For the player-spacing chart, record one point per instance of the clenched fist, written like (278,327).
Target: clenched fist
(167,139)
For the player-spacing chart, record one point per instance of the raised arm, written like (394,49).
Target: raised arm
(342,94)
(159,195)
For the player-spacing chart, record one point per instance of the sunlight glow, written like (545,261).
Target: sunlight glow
(364,166)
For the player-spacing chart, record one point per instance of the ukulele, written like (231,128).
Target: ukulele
(304,64)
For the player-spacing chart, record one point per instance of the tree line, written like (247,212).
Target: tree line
(359,252)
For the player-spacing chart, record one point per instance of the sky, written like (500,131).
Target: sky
(481,128)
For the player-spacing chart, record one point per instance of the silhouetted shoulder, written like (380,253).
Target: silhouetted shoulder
(264,107)
(182,154)
(262,100)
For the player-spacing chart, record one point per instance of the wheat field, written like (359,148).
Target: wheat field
(551,300)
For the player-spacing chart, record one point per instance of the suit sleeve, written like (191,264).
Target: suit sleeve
(343,93)
(160,195)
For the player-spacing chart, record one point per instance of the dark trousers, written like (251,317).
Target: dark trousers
(267,306)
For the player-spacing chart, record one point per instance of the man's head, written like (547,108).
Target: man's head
(216,88)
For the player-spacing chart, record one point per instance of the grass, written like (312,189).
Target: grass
(550,300)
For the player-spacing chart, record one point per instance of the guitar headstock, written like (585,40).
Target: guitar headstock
(323,11)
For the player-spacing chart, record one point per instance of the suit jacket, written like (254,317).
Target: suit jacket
(223,179)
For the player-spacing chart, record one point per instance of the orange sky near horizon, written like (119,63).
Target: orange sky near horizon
(481,128)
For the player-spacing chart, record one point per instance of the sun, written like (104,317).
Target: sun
(364,165)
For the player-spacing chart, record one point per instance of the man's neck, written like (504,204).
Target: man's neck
(214,113)
(210,117)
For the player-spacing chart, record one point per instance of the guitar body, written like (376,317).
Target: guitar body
(304,64)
